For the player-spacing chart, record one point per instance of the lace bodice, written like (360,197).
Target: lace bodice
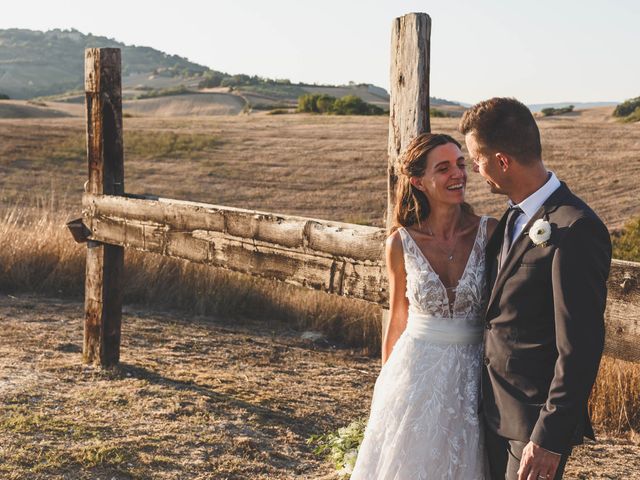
(426,292)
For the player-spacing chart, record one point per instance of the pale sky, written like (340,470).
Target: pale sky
(537,51)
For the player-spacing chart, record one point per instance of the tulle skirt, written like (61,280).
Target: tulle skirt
(424,421)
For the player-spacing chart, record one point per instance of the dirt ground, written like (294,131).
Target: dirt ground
(194,398)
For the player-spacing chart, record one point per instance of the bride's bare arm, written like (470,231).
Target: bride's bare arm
(398,302)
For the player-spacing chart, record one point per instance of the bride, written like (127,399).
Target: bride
(424,413)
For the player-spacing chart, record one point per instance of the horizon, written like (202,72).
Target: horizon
(290,43)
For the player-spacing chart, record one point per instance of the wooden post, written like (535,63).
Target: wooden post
(409,103)
(103,283)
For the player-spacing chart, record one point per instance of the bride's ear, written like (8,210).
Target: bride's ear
(415,182)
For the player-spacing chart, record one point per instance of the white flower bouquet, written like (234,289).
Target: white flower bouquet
(341,446)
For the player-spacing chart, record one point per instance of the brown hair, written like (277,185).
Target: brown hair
(504,124)
(412,205)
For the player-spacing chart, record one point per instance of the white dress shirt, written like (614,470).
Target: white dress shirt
(532,204)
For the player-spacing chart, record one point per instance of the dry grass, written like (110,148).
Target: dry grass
(40,256)
(319,166)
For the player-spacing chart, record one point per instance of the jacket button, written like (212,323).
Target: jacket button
(486,360)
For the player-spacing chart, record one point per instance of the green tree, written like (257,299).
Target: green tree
(307,103)
(325,103)
(350,105)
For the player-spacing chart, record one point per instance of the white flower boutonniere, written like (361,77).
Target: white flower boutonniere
(540,232)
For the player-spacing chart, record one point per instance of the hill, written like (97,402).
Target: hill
(50,64)
(34,63)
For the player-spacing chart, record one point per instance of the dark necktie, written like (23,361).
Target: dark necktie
(512,216)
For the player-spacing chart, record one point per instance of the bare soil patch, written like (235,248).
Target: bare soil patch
(194,398)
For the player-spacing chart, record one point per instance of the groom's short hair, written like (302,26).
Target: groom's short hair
(506,125)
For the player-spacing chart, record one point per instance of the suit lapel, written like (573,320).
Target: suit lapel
(493,250)
(522,242)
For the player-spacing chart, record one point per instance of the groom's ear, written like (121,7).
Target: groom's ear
(504,161)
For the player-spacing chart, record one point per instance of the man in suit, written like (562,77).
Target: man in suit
(547,264)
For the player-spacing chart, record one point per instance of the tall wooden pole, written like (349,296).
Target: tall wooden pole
(409,104)
(103,283)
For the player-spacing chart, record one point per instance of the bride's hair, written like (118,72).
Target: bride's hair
(412,205)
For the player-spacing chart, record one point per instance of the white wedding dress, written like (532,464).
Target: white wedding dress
(424,413)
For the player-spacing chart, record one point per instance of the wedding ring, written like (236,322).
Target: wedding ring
(543,477)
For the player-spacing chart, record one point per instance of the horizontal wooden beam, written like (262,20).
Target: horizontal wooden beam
(335,257)
(623,311)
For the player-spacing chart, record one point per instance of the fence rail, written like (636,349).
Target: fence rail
(335,257)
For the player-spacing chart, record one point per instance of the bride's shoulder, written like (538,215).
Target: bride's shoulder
(394,252)
(394,241)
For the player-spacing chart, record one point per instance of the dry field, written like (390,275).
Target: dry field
(227,388)
(320,166)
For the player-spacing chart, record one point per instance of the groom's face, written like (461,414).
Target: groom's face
(485,164)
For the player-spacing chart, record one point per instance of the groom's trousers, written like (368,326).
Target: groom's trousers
(504,457)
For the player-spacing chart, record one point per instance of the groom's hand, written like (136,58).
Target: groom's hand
(537,463)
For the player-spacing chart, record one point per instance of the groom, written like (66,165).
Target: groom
(547,265)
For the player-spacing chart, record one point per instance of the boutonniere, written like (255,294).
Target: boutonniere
(540,232)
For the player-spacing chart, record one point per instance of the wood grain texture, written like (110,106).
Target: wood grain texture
(335,257)
(105,158)
(622,317)
(409,103)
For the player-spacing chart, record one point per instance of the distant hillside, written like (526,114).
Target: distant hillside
(34,63)
(537,107)
(51,64)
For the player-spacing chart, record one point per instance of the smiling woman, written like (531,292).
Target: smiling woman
(412,205)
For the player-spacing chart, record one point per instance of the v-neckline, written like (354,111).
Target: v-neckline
(450,305)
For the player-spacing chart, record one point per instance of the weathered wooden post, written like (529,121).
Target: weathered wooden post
(103,283)
(409,103)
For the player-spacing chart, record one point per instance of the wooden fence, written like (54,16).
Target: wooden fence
(338,258)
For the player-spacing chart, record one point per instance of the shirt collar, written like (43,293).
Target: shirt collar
(533,202)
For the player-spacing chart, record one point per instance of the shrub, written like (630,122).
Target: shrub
(435,113)
(4,96)
(353,105)
(626,245)
(548,112)
(308,103)
(212,79)
(347,105)
(164,92)
(633,117)
(627,107)
(325,103)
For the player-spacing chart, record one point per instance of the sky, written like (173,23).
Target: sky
(539,51)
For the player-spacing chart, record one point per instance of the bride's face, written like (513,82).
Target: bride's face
(445,177)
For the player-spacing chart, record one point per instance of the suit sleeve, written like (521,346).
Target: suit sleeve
(579,276)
